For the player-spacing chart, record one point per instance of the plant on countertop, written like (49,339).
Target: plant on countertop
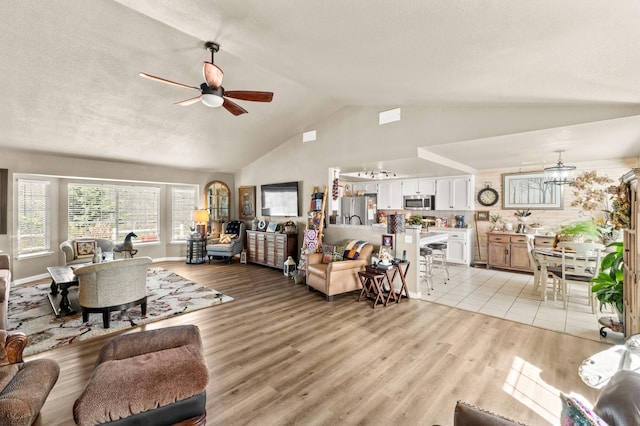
(522,213)
(607,286)
(415,220)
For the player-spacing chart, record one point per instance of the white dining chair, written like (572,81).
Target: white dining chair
(580,263)
(536,267)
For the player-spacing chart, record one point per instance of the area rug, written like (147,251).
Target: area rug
(169,294)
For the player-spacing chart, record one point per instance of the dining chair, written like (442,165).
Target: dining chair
(536,267)
(580,263)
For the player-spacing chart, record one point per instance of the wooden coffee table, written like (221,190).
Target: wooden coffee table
(62,278)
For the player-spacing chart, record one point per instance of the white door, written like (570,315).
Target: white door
(384,195)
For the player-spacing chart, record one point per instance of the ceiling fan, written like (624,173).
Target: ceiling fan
(212,94)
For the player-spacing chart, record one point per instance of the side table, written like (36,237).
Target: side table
(196,250)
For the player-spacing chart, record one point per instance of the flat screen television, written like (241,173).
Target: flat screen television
(280,199)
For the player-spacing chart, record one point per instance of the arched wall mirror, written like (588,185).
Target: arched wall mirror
(217,199)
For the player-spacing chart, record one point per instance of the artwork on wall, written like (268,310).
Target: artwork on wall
(4,188)
(482,215)
(528,191)
(247,198)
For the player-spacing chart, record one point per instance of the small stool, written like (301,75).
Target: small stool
(372,287)
(440,254)
(426,267)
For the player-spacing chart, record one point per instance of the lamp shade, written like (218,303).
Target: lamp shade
(395,223)
(201,216)
(211,100)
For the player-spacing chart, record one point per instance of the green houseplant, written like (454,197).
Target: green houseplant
(582,229)
(607,286)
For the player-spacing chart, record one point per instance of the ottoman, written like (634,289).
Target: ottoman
(154,377)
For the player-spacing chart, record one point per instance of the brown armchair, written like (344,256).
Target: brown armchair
(337,277)
(26,385)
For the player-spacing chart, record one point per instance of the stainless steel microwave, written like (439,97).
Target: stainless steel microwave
(419,202)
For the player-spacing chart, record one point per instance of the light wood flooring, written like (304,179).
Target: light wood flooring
(279,354)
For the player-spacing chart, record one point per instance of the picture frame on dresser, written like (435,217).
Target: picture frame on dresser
(529,191)
(387,240)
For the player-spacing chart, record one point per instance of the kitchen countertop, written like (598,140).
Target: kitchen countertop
(433,237)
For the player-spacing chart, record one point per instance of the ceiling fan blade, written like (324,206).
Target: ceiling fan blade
(233,107)
(164,80)
(188,101)
(212,74)
(249,95)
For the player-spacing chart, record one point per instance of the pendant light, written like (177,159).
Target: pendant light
(560,174)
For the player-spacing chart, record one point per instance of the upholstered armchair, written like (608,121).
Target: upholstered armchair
(5,286)
(112,286)
(81,251)
(24,385)
(338,277)
(230,242)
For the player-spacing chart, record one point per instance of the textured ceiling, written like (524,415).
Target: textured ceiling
(69,71)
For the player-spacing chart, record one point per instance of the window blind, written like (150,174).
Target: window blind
(34,227)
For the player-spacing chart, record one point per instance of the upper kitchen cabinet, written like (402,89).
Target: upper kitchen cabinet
(390,195)
(365,188)
(455,193)
(424,186)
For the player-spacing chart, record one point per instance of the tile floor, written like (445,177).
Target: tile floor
(510,296)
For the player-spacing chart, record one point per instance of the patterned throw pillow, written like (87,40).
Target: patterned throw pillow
(576,411)
(84,248)
(226,238)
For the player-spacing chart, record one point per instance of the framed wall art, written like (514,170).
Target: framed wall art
(528,191)
(247,201)
(482,215)
(387,240)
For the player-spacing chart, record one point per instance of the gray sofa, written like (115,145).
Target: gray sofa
(5,287)
(68,248)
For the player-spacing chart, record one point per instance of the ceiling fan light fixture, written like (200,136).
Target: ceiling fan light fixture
(211,100)
(560,174)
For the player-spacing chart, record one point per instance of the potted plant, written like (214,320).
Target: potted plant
(415,222)
(579,231)
(607,286)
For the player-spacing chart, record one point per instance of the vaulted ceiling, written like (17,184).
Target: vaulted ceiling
(69,73)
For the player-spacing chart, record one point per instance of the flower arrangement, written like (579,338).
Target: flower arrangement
(619,215)
(494,220)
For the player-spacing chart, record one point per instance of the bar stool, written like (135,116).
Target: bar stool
(426,267)
(439,256)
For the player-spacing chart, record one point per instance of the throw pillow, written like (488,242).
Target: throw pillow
(226,238)
(84,248)
(352,250)
(576,411)
(327,253)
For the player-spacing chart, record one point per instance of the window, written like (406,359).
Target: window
(183,202)
(112,211)
(34,222)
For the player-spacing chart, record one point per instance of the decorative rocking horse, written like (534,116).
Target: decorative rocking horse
(127,245)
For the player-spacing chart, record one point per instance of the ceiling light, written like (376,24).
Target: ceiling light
(559,174)
(211,100)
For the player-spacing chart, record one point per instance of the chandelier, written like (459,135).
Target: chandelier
(560,174)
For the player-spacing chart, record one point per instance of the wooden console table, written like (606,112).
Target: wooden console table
(270,248)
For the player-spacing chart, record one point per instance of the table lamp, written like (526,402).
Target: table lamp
(201,218)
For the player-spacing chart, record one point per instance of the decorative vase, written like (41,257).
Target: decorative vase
(254,224)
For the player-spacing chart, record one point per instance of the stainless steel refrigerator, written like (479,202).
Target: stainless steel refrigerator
(359,210)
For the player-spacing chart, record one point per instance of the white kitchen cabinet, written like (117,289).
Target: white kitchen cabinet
(459,244)
(390,195)
(455,193)
(423,186)
(366,187)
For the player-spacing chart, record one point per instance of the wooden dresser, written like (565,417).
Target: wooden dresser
(508,250)
(632,258)
(271,249)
